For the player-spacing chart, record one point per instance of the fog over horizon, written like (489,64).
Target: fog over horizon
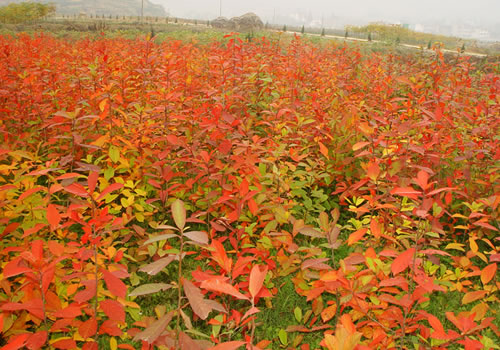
(380,10)
(478,15)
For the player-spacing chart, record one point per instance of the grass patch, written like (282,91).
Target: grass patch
(271,320)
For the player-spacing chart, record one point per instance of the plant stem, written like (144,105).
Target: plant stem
(253,325)
(179,290)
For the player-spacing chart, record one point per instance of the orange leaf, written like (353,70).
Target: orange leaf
(402,261)
(220,256)
(256,280)
(360,145)
(53,216)
(356,236)
(88,328)
(473,296)
(328,313)
(323,149)
(488,273)
(56,248)
(375,228)
(230,345)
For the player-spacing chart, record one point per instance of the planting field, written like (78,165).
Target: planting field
(246,194)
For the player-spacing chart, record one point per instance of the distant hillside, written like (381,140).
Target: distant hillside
(102,7)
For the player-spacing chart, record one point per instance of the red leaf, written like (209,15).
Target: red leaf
(402,261)
(92,181)
(152,333)
(196,299)
(422,179)
(257,277)
(250,312)
(244,187)
(9,228)
(216,285)
(356,236)
(53,216)
(406,192)
(186,343)
(77,190)
(16,342)
(30,192)
(86,294)
(65,344)
(109,327)
(88,328)
(220,256)
(67,176)
(113,309)
(114,284)
(230,345)
(439,190)
(69,312)
(13,269)
(252,205)
(435,323)
(34,306)
(37,340)
(90,346)
(109,189)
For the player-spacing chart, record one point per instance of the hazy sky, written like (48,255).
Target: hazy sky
(372,10)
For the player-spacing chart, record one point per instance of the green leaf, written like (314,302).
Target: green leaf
(298,314)
(283,337)
(114,153)
(149,289)
(179,213)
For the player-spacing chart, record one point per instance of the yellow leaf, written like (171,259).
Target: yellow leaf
(102,105)
(113,344)
(457,246)
(124,202)
(473,245)
(100,141)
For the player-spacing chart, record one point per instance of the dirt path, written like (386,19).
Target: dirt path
(474,54)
